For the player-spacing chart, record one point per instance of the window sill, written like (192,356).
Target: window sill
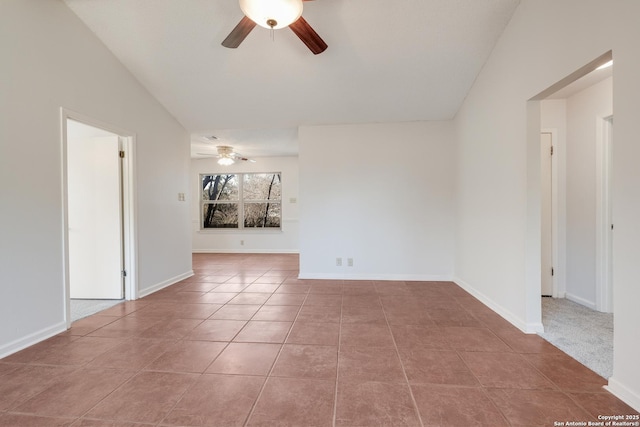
(240,231)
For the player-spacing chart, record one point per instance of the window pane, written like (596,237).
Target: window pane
(220,215)
(219,187)
(262,186)
(262,214)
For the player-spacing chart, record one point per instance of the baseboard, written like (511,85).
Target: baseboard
(624,393)
(32,339)
(581,301)
(528,328)
(381,277)
(245,251)
(164,284)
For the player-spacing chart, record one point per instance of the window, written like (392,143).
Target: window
(241,201)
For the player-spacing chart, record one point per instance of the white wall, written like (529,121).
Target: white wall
(381,194)
(498,209)
(255,241)
(584,109)
(51,60)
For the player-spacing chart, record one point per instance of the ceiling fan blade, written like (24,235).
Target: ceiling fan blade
(239,33)
(240,157)
(308,36)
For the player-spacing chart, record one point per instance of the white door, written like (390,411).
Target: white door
(95,214)
(604,221)
(546,145)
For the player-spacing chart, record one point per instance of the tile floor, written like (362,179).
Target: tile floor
(244,342)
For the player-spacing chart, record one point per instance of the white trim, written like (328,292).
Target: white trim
(528,328)
(257,231)
(604,294)
(129,213)
(238,231)
(394,277)
(245,251)
(66,300)
(31,339)
(581,301)
(158,286)
(624,393)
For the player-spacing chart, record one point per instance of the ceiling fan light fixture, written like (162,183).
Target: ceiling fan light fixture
(225,161)
(272,14)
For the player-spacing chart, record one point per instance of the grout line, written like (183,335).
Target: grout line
(535,368)
(335,393)
(200,375)
(482,388)
(246,321)
(179,399)
(273,365)
(404,372)
(125,382)
(86,365)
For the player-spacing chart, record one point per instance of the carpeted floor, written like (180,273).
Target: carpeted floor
(81,308)
(584,334)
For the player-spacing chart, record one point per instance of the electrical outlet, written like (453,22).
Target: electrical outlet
(241,242)
(350,262)
(339,262)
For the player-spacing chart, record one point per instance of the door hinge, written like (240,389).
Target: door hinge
(552,150)
(552,272)
(121,154)
(124,273)
(612,226)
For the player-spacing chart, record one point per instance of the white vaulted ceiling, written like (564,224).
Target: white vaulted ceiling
(387,61)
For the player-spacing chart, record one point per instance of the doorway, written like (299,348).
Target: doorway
(94,202)
(581,114)
(99,263)
(580,120)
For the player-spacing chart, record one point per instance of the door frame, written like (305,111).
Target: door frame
(604,220)
(129,246)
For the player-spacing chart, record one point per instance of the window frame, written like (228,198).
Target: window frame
(240,176)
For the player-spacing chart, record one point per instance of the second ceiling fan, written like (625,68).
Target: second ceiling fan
(275,14)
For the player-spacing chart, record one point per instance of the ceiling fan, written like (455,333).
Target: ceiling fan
(226,156)
(275,14)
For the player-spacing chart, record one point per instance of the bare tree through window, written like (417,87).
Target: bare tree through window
(262,195)
(254,197)
(223,191)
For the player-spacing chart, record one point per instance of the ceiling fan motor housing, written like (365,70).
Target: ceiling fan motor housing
(225,150)
(272,14)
